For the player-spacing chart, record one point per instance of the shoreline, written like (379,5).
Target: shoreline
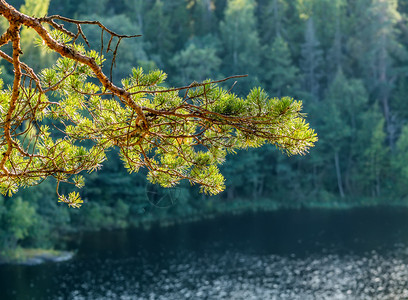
(32,257)
(258,206)
(36,256)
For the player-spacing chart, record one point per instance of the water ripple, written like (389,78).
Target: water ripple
(243,276)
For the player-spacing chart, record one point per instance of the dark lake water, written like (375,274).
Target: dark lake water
(295,254)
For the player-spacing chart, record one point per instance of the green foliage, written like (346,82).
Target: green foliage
(73,200)
(345,59)
(376,157)
(190,63)
(175,133)
(38,56)
(16,219)
(401,156)
(312,60)
(241,40)
(281,76)
(159,31)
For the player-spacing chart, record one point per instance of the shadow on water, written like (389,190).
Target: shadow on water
(288,254)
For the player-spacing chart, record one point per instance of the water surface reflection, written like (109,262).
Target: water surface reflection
(310,254)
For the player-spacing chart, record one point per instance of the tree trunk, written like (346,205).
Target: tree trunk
(338,174)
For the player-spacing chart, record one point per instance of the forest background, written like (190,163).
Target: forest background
(347,61)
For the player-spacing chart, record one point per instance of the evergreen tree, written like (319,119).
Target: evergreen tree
(274,19)
(375,48)
(377,159)
(311,61)
(240,182)
(343,106)
(281,75)
(135,10)
(241,41)
(89,7)
(399,163)
(399,103)
(202,16)
(336,53)
(158,33)
(325,14)
(189,62)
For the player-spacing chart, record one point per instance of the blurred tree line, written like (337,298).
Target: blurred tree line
(346,59)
